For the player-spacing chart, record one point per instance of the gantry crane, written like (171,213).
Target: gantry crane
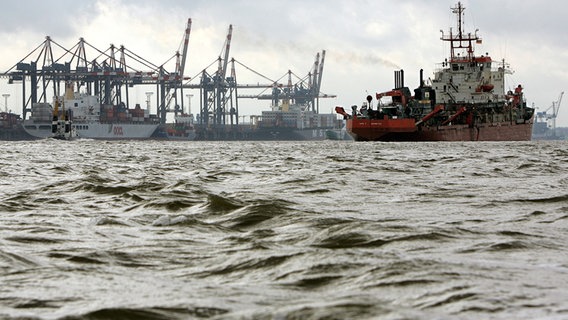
(550,118)
(168,89)
(109,79)
(306,91)
(110,73)
(217,91)
(555,108)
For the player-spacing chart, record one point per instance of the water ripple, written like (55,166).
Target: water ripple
(288,230)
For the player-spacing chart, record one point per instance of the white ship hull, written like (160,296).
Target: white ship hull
(95,130)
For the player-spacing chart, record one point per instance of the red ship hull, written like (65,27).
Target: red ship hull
(466,100)
(406,130)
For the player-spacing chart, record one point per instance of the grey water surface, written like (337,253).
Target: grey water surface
(283,230)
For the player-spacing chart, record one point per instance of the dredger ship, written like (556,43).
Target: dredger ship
(465,101)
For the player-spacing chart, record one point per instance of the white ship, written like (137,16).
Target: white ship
(93,120)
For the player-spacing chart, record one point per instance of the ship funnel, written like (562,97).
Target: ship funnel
(421,77)
(399,79)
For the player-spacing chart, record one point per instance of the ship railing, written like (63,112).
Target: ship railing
(448,64)
(501,69)
(439,67)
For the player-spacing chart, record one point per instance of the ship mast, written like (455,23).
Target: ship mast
(460,41)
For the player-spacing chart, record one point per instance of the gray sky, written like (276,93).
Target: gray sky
(365,40)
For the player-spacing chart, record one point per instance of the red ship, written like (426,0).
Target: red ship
(465,101)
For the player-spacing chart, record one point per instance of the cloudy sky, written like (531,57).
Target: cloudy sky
(365,41)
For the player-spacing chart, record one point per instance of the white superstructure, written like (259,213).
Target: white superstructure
(93,120)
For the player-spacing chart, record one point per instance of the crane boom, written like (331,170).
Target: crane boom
(227,48)
(185,45)
(320,72)
(556,106)
(314,82)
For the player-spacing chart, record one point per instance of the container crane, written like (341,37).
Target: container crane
(170,92)
(216,90)
(304,92)
(550,118)
(555,107)
(180,67)
(109,79)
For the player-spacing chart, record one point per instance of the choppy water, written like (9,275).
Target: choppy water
(302,230)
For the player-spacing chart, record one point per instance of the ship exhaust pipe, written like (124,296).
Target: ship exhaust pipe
(421,77)
(399,79)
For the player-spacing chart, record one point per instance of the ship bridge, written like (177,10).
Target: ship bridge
(464,77)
